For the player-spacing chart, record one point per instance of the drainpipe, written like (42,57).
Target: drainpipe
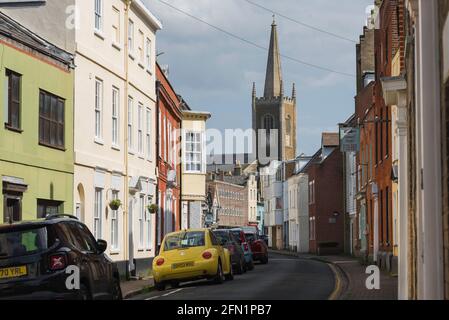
(158,89)
(125,126)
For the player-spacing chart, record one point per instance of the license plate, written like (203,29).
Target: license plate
(182,265)
(13,272)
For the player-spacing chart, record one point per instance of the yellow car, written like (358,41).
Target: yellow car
(191,255)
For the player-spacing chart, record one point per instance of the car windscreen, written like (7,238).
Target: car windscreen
(222,237)
(23,242)
(185,240)
(236,234)
(250,237)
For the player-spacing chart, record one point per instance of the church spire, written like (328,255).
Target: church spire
(274,74)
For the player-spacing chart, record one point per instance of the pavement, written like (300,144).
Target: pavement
(353,277)
(132,288)
(285,277)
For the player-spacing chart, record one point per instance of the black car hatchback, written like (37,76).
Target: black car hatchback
(38,257)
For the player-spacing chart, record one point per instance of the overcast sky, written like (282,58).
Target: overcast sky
(214,72)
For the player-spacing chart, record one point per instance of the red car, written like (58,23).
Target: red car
(258,247)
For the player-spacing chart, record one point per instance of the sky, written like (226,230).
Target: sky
(214,72)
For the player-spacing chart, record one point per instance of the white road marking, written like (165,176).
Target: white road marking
(153,298)
(172,292)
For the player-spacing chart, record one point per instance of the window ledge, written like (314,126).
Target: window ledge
(52,147)
(114,252)
(13,129)
(149,72)
(99,141)
(131,56)
(99,34)
(141,65)
(131,152)
(117,46)
(115,147)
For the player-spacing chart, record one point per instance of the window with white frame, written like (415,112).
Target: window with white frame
(116,25)
(165,139)
(148,133)
(140,129)
(141,47)
(194,152)
(130,122)
(99,15)
(160,134)
(98,108)
(148,54)
(98,209)
(130,36)
(141,220)
(169,142)
(115,116)
(114,223)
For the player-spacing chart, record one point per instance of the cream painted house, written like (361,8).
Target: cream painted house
(113,42)
(115,101)
(251,187)
(193,180)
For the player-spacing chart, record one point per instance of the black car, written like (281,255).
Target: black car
(36,257)
(228,240)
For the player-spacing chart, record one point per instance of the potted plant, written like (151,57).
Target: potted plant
(152,208)
(115,204)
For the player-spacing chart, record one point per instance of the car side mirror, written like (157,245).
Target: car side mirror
(102,245)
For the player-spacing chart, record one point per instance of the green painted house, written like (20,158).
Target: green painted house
(36,125)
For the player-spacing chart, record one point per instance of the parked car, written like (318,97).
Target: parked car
(228,241)
(34,257)
(240,236)
(191,255)
(264,237)
(258,247)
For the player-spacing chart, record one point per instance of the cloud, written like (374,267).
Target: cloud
(214,71)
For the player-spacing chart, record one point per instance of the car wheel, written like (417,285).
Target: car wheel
(264,260)
(84,293)
(117,290)
(219,277)
(245,266)
(251,266)
(230,276)
(175,284)
(240,268)
(160,286)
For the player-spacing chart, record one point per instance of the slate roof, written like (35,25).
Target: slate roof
(11,29)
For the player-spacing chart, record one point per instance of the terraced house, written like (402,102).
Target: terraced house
(113,43)
(36,132)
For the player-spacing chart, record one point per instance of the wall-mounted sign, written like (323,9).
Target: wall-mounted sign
(349,139)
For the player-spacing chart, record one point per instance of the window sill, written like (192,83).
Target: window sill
(131,152)
(140,250)
(52,147)
(149,72)
(117,46)
(131,56)
(99,34)
(114,252)
(141,156)
(115,147)
(141,65)
(13,129)
(99,141)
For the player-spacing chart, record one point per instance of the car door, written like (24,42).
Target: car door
(99,276)
(221,251)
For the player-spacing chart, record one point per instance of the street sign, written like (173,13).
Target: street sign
(349,139)
(209,219)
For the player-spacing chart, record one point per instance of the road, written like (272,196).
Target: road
(283,278)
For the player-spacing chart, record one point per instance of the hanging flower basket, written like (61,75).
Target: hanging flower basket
(115,204)
(152,208)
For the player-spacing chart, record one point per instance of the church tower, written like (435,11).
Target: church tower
(274,112)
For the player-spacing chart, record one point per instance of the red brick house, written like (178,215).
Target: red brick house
(326,201)
(168,163)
